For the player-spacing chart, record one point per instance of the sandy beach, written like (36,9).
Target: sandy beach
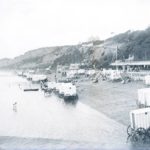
(114,99)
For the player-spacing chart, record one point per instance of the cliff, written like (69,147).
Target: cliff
(94,53)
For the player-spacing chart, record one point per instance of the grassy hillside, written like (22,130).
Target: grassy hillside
(94,53)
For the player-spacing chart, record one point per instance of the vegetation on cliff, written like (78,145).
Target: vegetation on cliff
(93,53)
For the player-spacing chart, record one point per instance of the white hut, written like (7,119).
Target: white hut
(139,118)
(70,91)
(91,72)
(51,85)
(143,97)
(38,78)
(115,75)
(147,80)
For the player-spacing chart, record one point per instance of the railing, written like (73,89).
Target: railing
(132,74)
(138,75)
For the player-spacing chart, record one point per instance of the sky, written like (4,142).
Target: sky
(31,24)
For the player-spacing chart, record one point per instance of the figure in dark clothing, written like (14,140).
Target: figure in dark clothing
(15,107)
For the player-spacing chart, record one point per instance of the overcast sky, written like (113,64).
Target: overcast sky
(30,24)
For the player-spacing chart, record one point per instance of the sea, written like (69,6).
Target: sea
(32,121)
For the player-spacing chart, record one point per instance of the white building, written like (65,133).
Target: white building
(74,66)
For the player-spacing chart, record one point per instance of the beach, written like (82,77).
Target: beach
(114,99)
(98,120)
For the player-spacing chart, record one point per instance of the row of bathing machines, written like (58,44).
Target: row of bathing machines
(64,90)
(67,91)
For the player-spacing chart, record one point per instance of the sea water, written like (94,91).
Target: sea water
(40,122)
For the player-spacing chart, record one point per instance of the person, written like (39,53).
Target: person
(55,78)
(15,107)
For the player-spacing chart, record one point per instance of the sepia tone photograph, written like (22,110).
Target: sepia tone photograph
(74,75)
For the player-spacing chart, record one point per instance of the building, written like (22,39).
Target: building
(74,66)
(87,45)
(131,65)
